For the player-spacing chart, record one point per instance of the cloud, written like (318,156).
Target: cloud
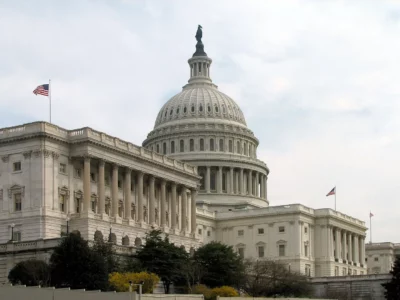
(317,81)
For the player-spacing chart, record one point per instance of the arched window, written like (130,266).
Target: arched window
(191,145)
(201,144)
(158,148)
(230,146)
(221,145)
(125,241)
(223,109)
(177,110)
(166,111)
(209,108)
(172,147)
(223,181)
(185,110)
(201,107)
(171,111)
(192,108)
(245,148)
(164,148)
(181,145)
(216,108)
(238,150)
(212,180)
(212,147)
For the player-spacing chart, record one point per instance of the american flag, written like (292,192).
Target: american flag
(42,90)
(371,214)
(332,192)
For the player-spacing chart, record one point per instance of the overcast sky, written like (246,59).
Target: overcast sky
(318,82)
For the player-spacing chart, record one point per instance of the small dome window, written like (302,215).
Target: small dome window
(209,108)
(166,111)
(171,111)
(223,109)
(177,110)
(184,110)
(201,107)
(192,108)
(216,108)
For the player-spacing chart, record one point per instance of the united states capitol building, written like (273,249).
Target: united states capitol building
(196,177)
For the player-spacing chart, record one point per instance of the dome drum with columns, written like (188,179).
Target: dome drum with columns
(205,127)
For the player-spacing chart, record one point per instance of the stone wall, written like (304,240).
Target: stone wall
(361,287)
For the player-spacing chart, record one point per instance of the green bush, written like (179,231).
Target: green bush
(120,281)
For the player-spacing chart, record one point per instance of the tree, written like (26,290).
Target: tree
(31,273)
(220,265)
(163,258)
(271,278)
(120,281)
(106,251)
(74,264)
(392,288)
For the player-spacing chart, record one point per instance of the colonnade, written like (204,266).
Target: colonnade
(232,180)
(174,190)
(348,247)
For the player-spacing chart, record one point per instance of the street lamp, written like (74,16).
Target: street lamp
(109,236)
(140,289)
(67,224)
(12,232)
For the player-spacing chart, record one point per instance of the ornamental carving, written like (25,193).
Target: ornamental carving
(27,155)
(16,189)
(5,158)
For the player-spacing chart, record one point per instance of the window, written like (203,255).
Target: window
(185,110)
(191,142)
(216,108)
(241,232)
(78,204)
(336,271)
(202,180)
(344,272)
(376,259)
(18,201)
(192,108)
(260,230)
(199,231)
(181,145)
(224,182)
(221,145)
(171,111)
(209,108)
(208,233)
(305,250)
(305,230)
(201,145)
(201,108)
(119,184)
(158,148)
(212,181)
(63,168)
(93,203)
(238,147)
(17,166)
(16,236)
(92,177)
(172,147)
(78,173)
(212,145)
(308,270)
(260,251)
(164,148)
(62,203)
(281,250)
(230,146)
(281,229)
(241,252)
(245,148)
(107,180)
(177,110)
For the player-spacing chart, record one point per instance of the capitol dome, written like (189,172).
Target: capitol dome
(206,128)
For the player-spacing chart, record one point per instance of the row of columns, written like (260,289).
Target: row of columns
(235,181)
(348,246)
(128,196)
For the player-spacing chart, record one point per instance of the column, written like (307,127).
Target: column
(256,192)
(193,211)
(362,250)
(231,189)
(350,249)
(139,217)
(356,250)
(163,202)
(338,244)
(114,191)
(236,182)
(101,187)
(86,184)
(151,201)
(173,205)
(330,241)
(241,181)
(128,195)
(207,183)
(219,184)
(262,186)
(249,182)
(344,246)
(184,209)
(266,187)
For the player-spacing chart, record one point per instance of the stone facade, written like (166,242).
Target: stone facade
(380,257)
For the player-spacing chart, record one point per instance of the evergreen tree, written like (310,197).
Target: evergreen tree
(162,257)
(392,288)
(219,265)
(31,273)
(74,264)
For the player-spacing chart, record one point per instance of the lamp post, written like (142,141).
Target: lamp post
(12,232)
(109,236)
(67,224)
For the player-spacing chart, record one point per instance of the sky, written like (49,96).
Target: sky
(318,83)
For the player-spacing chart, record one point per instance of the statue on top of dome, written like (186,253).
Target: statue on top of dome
(199,34)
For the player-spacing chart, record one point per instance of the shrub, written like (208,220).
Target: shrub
(30,272)
(202,290)
(120,281)
(224,291)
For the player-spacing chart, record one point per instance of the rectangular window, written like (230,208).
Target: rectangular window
(78,173)
(344,272)
(62,203)
(17,166)
(260,230)
(221,145)
(18,201)
(261,251)
(92,177)
(201,145)
(199,231)
(230,146)
(119,184)
(191,142)
(241,252)
(208,233)
(181,146)
(376,259)
(305,230)
(241,232)
(336,271)
(305,250)
(93,204)
(281,229)
(17,236)
(281,250)
(63,168)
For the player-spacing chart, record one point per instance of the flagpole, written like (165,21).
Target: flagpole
(370,228)
(335,197)
(50,98)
